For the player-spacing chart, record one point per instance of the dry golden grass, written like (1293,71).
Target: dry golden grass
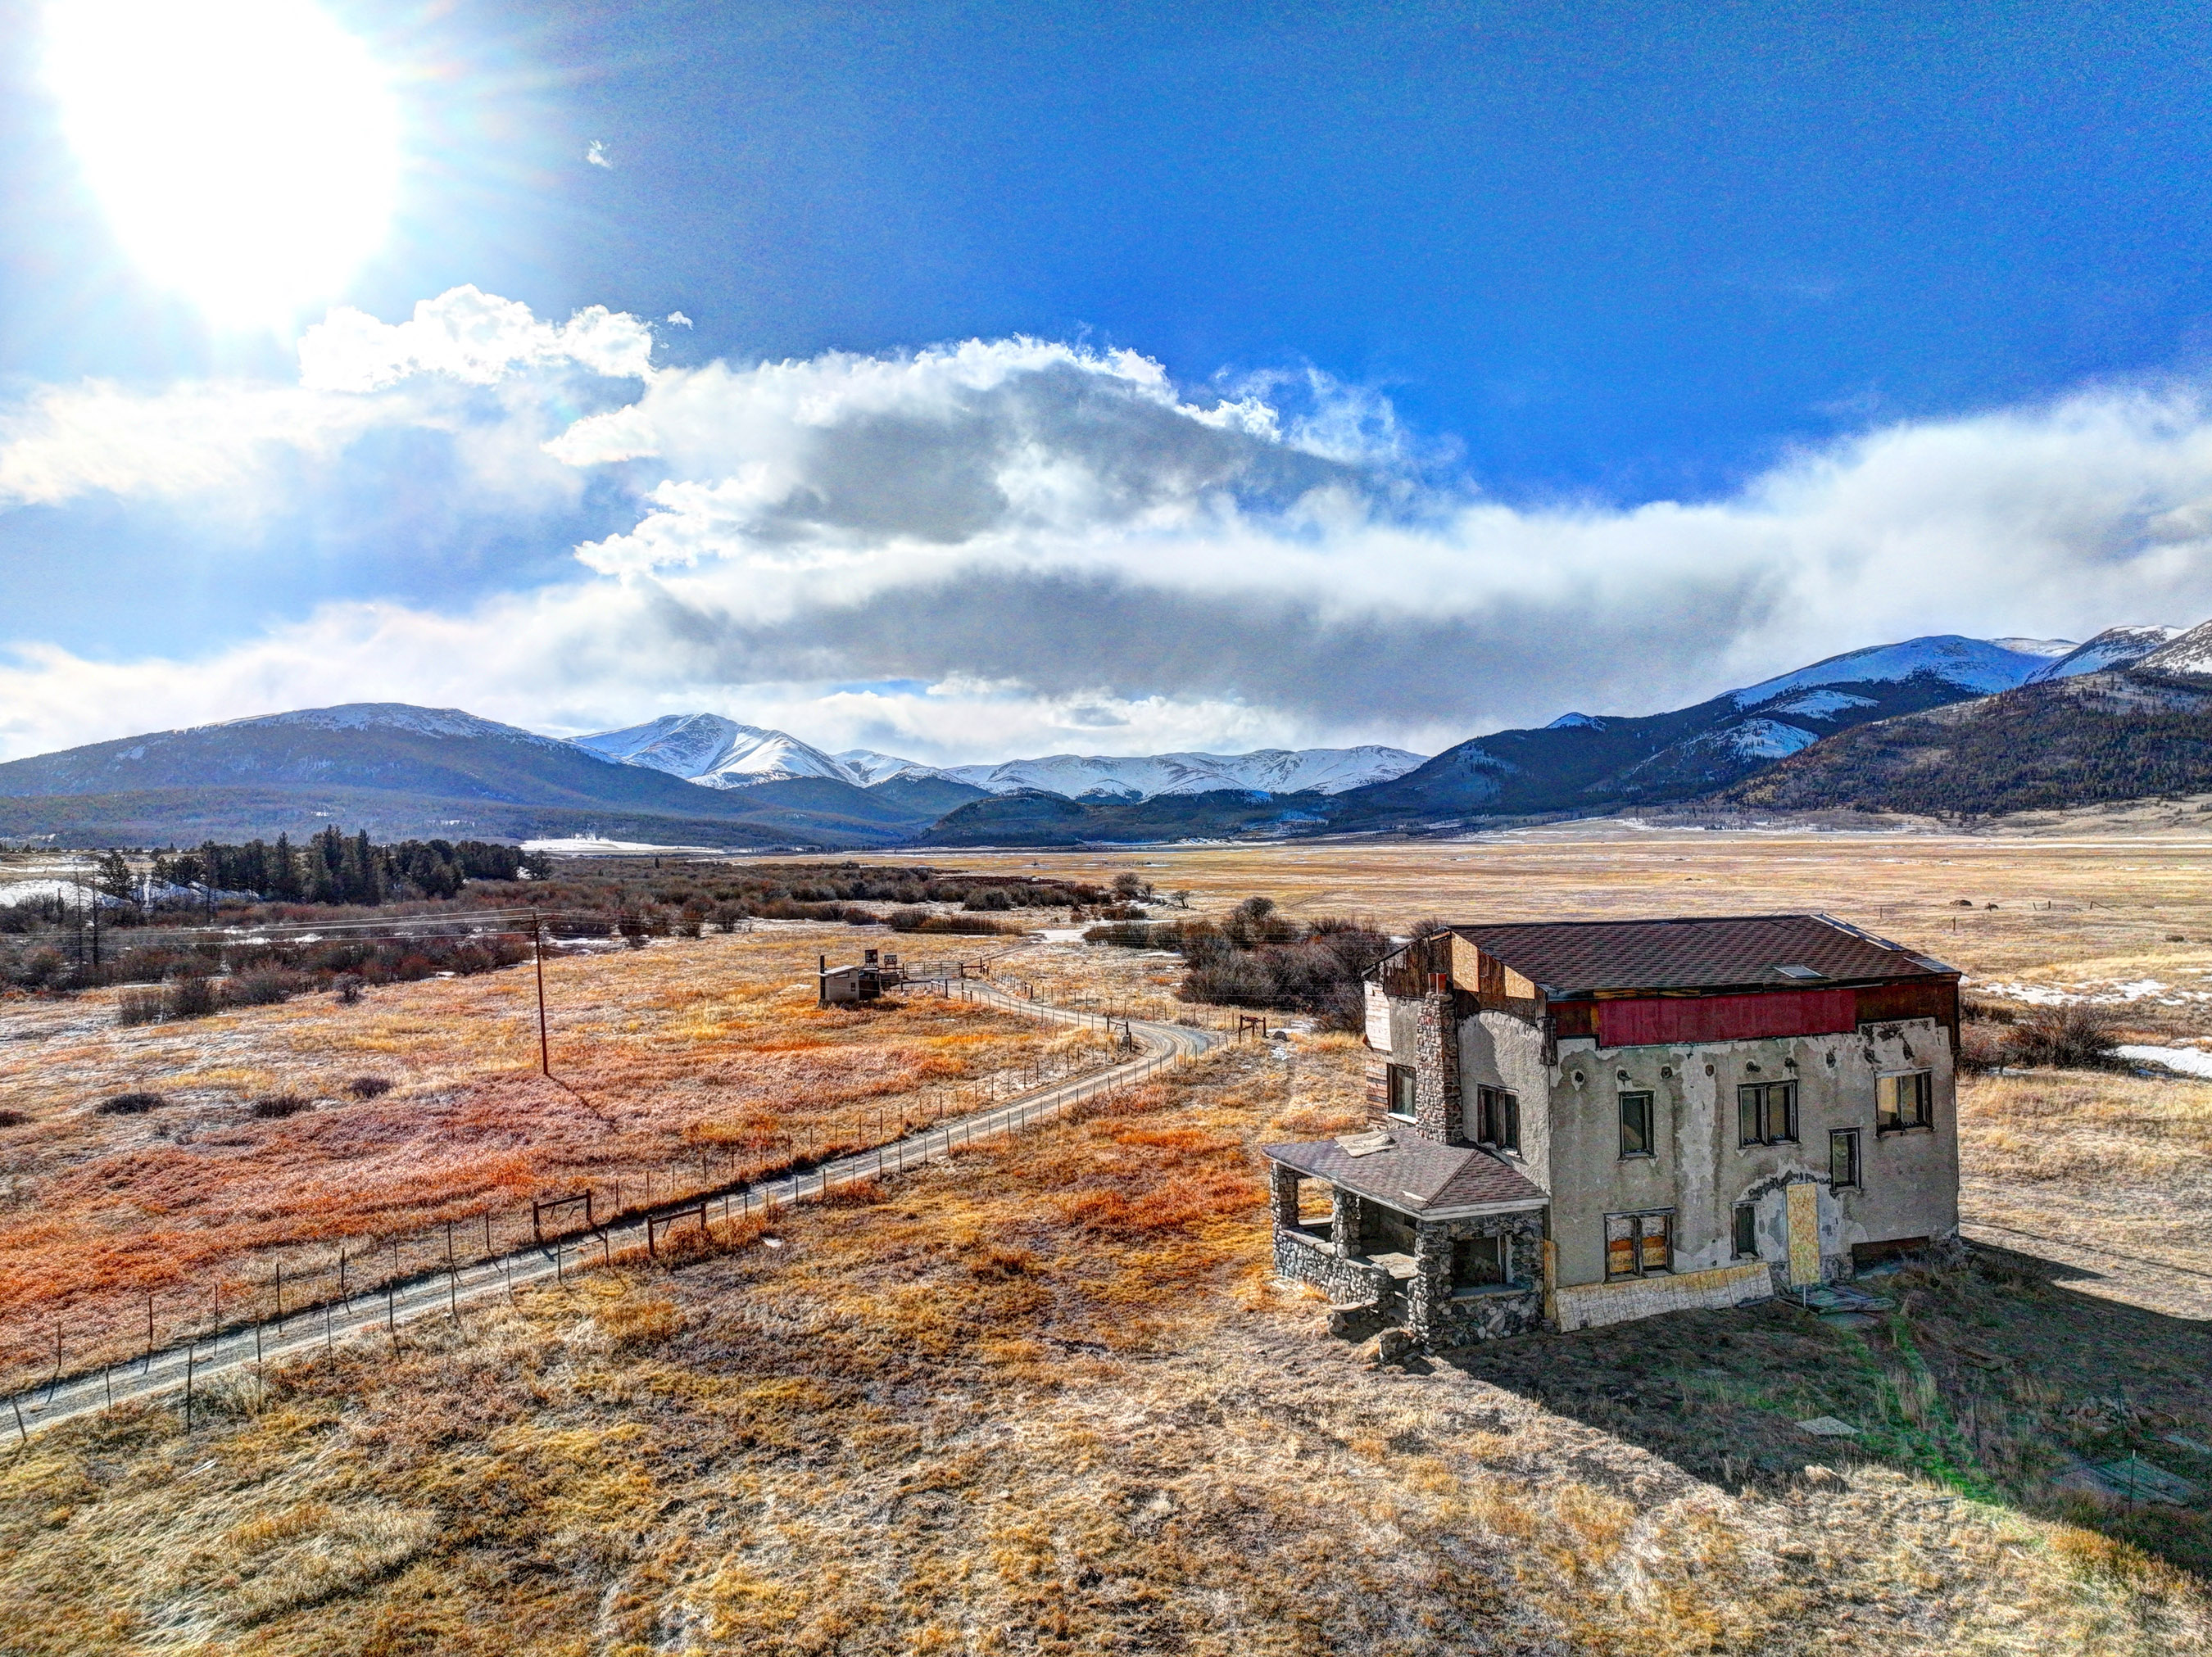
(2070,911)
(2095,1169)
(710,1048)
(1045,1399)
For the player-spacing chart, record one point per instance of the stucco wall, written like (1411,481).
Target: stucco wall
(1496,1050)
(1909,1179)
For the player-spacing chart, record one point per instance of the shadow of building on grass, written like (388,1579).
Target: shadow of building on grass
(1997,1377)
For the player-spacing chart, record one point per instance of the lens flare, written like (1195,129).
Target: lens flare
(247,151)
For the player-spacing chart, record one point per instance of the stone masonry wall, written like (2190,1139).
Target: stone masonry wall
(1302,1258)
(1442,1318)
(1436,1111)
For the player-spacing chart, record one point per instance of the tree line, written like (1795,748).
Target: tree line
(330,867)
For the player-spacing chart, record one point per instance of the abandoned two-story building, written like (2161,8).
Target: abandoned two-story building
(1577,1122)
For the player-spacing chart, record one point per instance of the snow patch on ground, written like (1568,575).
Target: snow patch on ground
(2105,994)
(2188,1061)
(592,846)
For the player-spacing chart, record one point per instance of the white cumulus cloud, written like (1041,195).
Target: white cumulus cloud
(474,337)
(1011,545)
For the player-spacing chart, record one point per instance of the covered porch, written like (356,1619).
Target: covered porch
(1447,1241)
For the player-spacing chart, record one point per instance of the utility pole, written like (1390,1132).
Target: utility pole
(537,938)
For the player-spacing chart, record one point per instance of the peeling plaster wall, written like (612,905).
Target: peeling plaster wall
(1909,1179)
(1497,1050)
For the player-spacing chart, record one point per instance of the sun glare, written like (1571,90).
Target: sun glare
(247,151)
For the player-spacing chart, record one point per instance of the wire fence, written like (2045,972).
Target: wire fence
(333,1286)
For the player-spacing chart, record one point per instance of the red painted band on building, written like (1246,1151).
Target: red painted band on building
(1640,1021)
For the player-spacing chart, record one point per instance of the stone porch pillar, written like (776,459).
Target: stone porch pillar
(1344,1223)
(1431,1280)
(1283,1191)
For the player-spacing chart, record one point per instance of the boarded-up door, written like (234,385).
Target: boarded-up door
(1804,1233)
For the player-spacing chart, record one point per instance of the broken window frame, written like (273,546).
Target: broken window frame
(1756,1119)
(1745,1229)
(1889,1110)
(1501,1262)
(1847,1140)
(1648,1233)
(1643,1104)
(1497,1119)
(1399,1084)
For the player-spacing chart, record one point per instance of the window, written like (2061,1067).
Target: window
(1477,1262)
(1639,1245)
(1767,1113)
(1636,1125)
(1904,1101)
(1401,1091)
(1497,1119)
(1844,1158)
(1747,1231)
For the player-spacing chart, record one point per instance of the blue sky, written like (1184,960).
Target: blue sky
(1597,356)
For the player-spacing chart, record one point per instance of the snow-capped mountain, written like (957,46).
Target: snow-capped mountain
(2116,647)
(386,716)
(1984,667)
(866,767)
(1137,777)
(720,753)
(712,751)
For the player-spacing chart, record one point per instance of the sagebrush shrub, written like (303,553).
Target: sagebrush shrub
(275,1106)
(262,988)
(140,1007)
(2080,1036)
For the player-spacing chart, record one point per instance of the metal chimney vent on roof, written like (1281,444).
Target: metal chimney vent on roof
(1799,972)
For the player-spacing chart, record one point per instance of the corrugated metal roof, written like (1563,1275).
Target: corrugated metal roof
(1696,953)
(1415,1175)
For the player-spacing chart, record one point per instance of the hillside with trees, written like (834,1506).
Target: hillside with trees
(2101,737)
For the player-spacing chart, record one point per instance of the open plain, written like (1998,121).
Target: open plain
(691,1062)
(1048,1398)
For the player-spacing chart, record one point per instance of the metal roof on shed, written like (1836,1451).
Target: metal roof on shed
(1584,957)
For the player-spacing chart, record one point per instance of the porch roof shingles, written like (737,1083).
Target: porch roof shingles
(1571,958)
(1416,1175)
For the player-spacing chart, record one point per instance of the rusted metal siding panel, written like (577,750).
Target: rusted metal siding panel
(1922,998)
(1573,1018)
(1641,1021)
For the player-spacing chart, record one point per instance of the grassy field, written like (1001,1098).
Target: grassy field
(690,1060)
(2028,911)
(1048,1398)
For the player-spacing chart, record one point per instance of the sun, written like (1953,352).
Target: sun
(246,151)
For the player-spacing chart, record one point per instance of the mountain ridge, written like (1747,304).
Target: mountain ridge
(718,752)
(701,778)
